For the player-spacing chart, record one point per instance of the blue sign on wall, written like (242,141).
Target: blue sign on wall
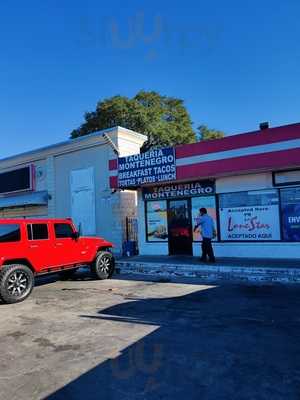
(290,204)
(151,167)
(291,222)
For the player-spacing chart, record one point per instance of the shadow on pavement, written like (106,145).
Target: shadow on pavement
(226,342)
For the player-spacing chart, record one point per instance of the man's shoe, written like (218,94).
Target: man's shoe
(212,261)
(203,259)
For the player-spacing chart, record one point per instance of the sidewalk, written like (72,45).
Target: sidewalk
(225,269)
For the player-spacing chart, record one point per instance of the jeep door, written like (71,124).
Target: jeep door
(66,247)
(11,243)
(40,246)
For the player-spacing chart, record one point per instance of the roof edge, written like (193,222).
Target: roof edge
(139,135)
(68,142)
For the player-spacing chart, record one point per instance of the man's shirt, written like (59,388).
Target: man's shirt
(207,226)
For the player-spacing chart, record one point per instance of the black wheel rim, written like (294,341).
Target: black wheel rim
(17,283)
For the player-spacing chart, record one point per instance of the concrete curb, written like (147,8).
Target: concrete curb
(214,273)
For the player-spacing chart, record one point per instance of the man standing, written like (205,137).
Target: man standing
(208,233)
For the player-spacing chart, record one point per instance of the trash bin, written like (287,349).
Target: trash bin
(129,248)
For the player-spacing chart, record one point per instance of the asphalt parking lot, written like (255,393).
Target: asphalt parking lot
(129,338)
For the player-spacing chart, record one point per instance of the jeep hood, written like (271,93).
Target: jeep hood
(98,241)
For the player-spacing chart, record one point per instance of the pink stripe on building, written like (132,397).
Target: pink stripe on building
(113,182)
(271,135)
(113,164)
(244,164)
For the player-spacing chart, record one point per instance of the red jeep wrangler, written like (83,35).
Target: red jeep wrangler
(31,247)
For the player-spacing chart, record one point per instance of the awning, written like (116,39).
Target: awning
(29,199)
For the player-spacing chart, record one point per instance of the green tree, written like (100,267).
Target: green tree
(165,120)
(204,133)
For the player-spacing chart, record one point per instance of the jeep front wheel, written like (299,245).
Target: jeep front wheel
(16,283)
(103,266)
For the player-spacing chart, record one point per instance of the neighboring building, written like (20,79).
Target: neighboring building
(71,179)
(250,184)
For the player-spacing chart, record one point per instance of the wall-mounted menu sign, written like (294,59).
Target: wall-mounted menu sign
(151,167)
(171,191)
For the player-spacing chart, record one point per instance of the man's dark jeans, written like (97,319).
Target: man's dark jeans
(207,250)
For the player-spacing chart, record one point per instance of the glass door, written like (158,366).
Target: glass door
(180,227)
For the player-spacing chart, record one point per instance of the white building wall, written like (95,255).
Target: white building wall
(274,250)
(111,207)
(128,141)
(125,201)
(50,179)
(106,203)
(244,182)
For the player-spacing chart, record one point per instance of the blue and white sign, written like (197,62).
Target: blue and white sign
(151,167)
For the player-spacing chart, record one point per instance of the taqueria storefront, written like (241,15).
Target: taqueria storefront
(249,183)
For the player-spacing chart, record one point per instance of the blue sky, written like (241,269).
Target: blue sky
(235,63)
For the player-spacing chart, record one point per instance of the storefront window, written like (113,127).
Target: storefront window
(172,213)
(209,203)
(290,213)
(247,216)
(157,221)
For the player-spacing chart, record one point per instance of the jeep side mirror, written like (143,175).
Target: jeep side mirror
(75,235)
(80,229)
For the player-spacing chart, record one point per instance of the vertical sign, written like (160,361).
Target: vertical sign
(151,167)
(290,214)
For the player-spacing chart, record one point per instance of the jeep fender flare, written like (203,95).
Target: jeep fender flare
(22,261)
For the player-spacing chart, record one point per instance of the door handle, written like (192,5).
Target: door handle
(58,244)
(33,246)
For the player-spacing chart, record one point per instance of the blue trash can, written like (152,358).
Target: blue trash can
(129,248)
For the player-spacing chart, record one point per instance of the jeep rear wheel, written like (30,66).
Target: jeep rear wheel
(103,266)
(16,283)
